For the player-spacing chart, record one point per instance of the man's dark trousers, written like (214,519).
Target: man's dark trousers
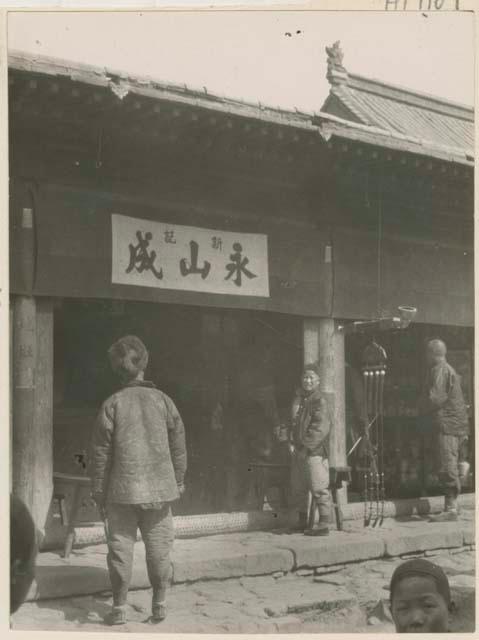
(156,527)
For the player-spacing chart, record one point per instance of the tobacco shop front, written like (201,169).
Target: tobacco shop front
(233,239)
(222,307)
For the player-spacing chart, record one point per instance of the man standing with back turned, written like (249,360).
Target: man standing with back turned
(138,465)
(443,401)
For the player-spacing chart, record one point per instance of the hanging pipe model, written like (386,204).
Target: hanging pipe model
(374,372)
(372,440)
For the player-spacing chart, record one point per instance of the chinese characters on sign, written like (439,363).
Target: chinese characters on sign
(153,254)
(140,258)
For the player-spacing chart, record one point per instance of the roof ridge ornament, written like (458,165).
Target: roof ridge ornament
(336,74)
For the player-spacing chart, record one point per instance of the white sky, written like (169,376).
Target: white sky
(247,55)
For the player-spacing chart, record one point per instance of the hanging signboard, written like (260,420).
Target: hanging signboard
(147,253)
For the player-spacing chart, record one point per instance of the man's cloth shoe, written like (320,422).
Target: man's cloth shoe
(444,516)
(320,530)
(158,612)
(116,616)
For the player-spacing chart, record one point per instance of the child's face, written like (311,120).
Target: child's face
(417,607)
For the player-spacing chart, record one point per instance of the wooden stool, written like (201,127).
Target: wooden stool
(81,485)
(337,475)
(60,499)
(260,479)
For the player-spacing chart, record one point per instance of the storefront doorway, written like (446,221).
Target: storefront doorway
(231,374)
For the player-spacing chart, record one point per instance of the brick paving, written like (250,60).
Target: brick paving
(260,582)
(353,598)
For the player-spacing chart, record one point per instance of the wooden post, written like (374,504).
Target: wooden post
(332,372)
(43,416)
(32,407)
(340,404)
(310,340)
(23,396)
(32,374)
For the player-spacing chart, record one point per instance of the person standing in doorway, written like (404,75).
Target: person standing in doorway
(443,402)
(138,464)
(311,425)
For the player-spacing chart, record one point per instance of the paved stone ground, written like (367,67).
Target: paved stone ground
(253,553)
(345,598)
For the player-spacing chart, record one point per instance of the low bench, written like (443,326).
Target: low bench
(69,517)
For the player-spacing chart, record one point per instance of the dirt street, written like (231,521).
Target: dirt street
(349,599)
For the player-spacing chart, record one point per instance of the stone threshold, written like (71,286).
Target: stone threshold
(218,523)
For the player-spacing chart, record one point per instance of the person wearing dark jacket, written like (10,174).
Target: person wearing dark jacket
(311,425)
(443,402)
(138,464)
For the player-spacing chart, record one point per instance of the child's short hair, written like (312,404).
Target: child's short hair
(128,356)
(420,567)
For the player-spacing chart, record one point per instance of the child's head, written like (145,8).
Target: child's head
(420,598)
(128,358)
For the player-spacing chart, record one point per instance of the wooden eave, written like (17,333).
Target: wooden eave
(83,96)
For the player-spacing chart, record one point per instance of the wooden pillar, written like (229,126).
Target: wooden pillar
(339,442)
(43,416)
(32,371)
(23,397)
(310,340)
(32,406)
(332,372)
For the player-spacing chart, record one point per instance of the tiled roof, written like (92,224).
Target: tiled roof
(426,118)
(122,84)
(347,114)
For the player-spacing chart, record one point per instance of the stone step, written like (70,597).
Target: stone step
(248,554)
(219,523)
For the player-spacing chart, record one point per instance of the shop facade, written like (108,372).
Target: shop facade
(234,240)
(416,195)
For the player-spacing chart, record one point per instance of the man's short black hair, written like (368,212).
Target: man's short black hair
(420,567)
